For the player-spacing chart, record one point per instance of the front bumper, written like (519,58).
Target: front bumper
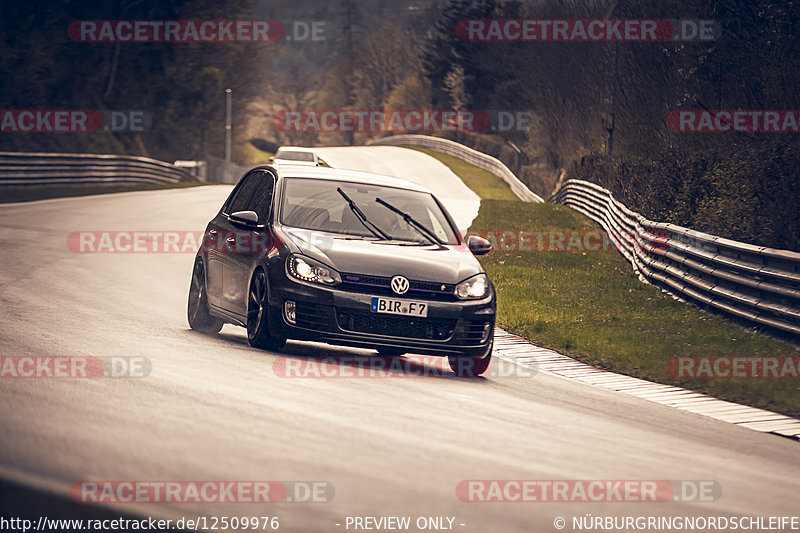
(341,317)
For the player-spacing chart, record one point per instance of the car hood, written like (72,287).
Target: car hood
(448,264)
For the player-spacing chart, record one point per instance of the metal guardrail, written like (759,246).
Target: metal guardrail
(465,153)
(25,169)
(758,284)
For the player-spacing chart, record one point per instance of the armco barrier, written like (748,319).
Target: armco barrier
(24,169)
(474,157)
(758,284)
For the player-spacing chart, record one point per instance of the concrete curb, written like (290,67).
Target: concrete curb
(522,352)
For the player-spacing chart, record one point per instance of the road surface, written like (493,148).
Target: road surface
(213,408)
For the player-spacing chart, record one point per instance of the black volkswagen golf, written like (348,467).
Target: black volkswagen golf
(345,258)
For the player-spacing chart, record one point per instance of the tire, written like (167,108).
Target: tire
(470,367)
(197,307)
(258,330)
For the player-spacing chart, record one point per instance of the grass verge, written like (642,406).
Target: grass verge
(484,183)
(590,306)
(43,192)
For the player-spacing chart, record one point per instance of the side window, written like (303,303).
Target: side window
(254,194)
(241,199)
(262,200)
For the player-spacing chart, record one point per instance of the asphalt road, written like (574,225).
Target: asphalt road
(213,408)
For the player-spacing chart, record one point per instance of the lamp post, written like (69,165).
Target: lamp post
(228,127)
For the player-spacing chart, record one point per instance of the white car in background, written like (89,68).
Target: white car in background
(295,155)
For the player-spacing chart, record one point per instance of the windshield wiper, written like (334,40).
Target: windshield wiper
(411,221)
(375,230)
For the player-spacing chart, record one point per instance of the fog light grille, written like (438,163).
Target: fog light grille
(289,311)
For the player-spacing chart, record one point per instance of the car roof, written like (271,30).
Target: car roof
(353,176)
(296,149)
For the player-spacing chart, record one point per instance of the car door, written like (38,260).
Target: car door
(214,242)
(244,243)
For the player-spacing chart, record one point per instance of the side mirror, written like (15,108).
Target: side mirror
(247,219)
(271,159)
(478,245)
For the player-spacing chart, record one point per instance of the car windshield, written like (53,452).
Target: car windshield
(295,155)
(319,205)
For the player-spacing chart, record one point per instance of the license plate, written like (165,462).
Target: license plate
(399,307)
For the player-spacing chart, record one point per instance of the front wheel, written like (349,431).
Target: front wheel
(258,332)
(464,366)
(197,309)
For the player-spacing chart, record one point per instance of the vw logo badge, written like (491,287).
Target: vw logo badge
(400,285)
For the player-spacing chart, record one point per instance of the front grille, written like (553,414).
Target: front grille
(313,316)
(470,332)
(369,281)
(381,285)
(396,326)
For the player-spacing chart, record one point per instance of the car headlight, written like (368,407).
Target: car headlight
(307,269)
(473,288)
